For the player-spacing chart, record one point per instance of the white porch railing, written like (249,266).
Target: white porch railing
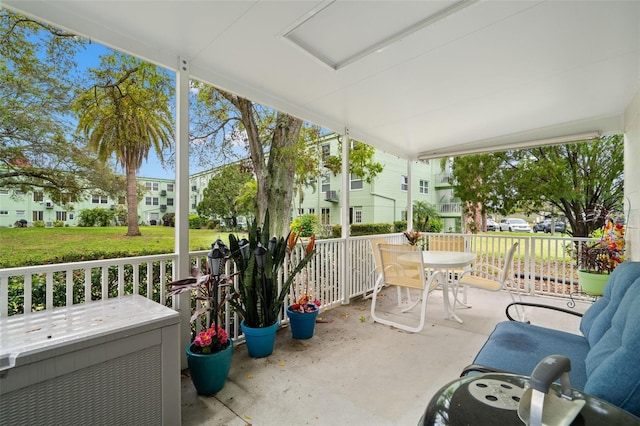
(542,265)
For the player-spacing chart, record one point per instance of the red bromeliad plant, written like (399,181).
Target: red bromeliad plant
(304,302)
(207,288)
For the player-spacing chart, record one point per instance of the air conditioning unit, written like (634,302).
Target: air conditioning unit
(48,204)
(115,359)
(163,193)
(331,196)
(163,207)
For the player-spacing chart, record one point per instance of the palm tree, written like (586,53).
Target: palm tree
(124,115)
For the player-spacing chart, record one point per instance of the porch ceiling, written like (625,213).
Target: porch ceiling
(411,78)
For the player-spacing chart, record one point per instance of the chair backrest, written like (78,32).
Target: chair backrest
(504,275)
(447,243)
(402,265)
(375,242)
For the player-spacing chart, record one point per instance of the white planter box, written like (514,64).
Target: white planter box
(110,362)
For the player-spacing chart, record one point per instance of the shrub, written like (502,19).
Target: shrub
(370,229)
(38,223)
(95,217)
(306,225)
(194,221)
(169,219)
(58,224)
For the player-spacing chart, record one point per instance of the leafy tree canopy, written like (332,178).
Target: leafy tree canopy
(581,181)
(221,196)
(37,74)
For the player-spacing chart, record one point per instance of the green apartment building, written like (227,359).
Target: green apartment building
(16,206)
(384,200)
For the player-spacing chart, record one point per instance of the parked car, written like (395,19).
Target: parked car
(514,225)
(559,226)
(491,225)
(545,226)
(541,226)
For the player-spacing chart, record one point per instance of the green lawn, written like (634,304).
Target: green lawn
(39,246)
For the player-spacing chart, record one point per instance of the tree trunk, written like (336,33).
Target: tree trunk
(274,176)
(281,173)
(132,203)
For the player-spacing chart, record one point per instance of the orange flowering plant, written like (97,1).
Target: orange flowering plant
(603,256)
(304,302)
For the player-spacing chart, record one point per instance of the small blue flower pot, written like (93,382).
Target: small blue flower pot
(302,323)
(260,341)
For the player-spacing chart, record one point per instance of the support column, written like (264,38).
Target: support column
(182,264)
(631,177)
(345,263)
(409,195)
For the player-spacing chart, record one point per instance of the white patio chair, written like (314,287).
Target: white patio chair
(489,277)
(402,266)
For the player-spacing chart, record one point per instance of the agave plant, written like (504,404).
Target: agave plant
(259,261)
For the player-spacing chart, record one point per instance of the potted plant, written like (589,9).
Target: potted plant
(596,260)
(210,352)
(258,298)
(412,237)
(304,311)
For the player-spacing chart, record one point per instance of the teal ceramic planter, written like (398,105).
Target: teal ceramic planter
(592,284)
(260,341)
(302,323)
(209,371)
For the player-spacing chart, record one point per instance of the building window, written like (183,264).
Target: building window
(356,214)
(151,201)
(325,216)
(169,187)
(121,200)
(151,186)
(403,215)
(20,212)
(4,212)
(424,186)
(147,201)
(300,212)
(326,183)
(356,182)
(99,199)
(38,196)
(193,206)
(326,152)
(312,210)
(169,201)
(37,215)
(61,216)
(404,183)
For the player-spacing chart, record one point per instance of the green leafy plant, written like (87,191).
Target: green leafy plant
(259,261)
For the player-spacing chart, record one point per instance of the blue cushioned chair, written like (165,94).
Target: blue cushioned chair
(605,359)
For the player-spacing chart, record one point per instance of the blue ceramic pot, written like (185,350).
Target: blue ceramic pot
(260,341)
(302,323)
(209,371)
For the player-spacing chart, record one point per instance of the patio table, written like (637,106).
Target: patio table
(446,262)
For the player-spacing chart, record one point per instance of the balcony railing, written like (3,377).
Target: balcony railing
(340,271)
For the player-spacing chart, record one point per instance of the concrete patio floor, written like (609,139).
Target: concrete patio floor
(357,372)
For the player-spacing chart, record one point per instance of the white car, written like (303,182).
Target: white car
(514,225)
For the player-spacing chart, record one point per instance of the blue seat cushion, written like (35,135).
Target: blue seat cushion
(518,347)
(597,320)
(613,363)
